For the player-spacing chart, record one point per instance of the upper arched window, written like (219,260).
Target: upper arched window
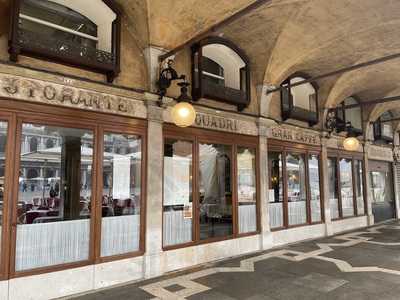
(349,112)
(221,72)
(33,144)
(383,129)
(299,102)
(49,143)
(81,33)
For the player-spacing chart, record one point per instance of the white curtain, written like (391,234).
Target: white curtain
(247,218)
(347,205)
(49,244)
(177,229)
(360,205)
(334,205)
(276,214)
(120,234)
(315,210)
(297,212)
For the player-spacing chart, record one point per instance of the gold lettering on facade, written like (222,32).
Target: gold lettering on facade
(38,91)
(67,95)
(49,92)
(122,106)
(215,122)
(291,135)
(12,88)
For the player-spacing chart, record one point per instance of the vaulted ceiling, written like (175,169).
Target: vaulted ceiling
(286,36)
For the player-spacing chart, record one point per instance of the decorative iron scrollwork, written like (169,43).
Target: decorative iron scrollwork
(63,48)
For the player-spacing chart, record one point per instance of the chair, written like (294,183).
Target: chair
(52,213)
(31,216)
(36,201)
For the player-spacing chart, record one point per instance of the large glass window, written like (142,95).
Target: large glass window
(275,190)
(121,197)
(54,212)
(215,191)
(333,184)
(247,201)
(178,201)
(3,149)
(315,197)
(346,198)
(296,189)
(359,186)
(210,189)
(346,186)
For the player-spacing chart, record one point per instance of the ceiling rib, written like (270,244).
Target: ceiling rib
(256,4)
(340,71)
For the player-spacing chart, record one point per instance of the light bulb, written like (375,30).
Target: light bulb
(351,144)
(183,114)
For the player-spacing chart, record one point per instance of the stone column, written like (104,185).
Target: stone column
(153,256)
(325,187)
(42,144)
(367,193)
(266,236)
(396,170)
(151,55)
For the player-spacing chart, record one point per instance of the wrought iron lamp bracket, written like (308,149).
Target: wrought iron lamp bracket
(167,75)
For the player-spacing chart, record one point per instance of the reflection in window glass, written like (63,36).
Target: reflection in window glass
(54,212)
(57,22)
(178,208)
(3,147)
(246,168)
(275,190)
(120,206)
(346,187)
(353,114)
(381,187)
(333,193)
(296,189)
(304,96)
(221,67)
(313,173)
(215,201)
(359,187)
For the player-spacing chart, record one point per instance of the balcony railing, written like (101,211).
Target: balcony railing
(227,94)
(66,51)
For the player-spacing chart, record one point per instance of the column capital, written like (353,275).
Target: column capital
(154,111)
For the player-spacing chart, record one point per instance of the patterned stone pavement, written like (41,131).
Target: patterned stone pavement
(363,264)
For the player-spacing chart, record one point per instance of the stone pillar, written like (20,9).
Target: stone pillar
(396,170)
(152,54)
(266,236)
(325,187)
(367,193)
(42,144)
(153,256)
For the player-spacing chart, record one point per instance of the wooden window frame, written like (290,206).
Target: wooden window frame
(338,155)
(111,71)
(377,127)
(198,89)
(294,112)
(343,108)
(285,148)
(198,136)
(99,123)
